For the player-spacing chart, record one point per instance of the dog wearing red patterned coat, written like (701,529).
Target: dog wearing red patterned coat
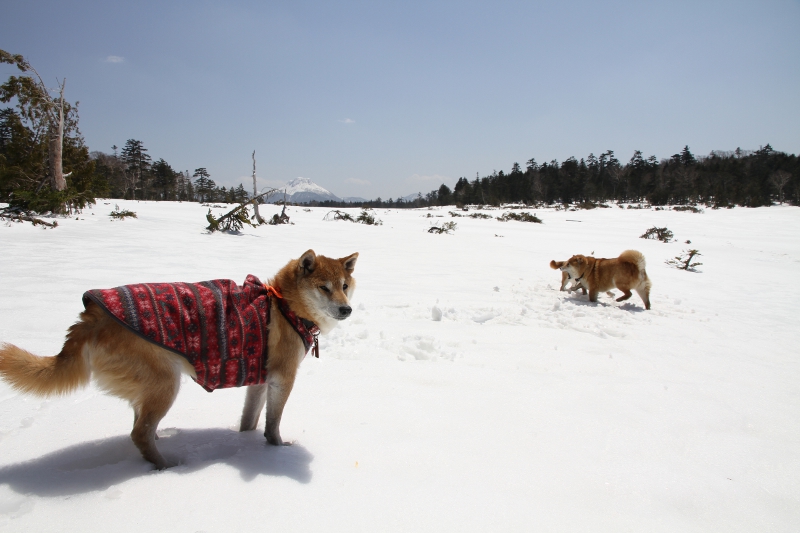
(137,340)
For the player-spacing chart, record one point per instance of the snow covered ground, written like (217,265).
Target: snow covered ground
(522,409)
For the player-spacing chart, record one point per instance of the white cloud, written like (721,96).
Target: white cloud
(357,181)
(114,59)
(348,121)
(435,178)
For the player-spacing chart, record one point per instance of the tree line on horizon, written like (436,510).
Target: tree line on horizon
(45,166)
(131,174)
(750,178)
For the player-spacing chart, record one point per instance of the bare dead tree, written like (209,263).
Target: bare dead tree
(255,193)
(779,179)
(57,177)
(37,105)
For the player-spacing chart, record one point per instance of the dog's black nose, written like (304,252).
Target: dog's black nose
(345,310)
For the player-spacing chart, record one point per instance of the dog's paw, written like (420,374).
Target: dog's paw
(276,440)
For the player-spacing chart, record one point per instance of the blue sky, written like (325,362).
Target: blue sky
(389,98)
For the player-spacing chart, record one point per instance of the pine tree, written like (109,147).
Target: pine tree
(137,163)
(203,185)
(164,180)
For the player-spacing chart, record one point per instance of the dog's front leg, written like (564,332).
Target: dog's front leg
(253,404)
(278,391)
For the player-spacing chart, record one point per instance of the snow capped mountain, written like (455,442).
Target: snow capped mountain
(302,190)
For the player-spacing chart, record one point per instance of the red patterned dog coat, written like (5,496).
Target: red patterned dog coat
(219,327)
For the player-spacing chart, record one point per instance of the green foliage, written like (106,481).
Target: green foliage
(684,260)
(661,234)
(522,217)
(234,220)
(121,214)
(367,216)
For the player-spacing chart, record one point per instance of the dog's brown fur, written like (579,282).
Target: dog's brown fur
(626,273)
(125,365)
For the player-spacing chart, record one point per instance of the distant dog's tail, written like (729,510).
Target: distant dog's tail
(47,376)
(635,257)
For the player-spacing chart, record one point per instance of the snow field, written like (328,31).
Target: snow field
(522,408)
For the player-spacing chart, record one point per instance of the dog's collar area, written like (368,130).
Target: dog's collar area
(308,330)
(314,330)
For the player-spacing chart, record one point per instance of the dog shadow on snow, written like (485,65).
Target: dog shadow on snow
(100,464)
(584,302)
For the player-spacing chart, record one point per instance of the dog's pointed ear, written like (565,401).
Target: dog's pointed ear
(580,260)
(308,262)
(349,262)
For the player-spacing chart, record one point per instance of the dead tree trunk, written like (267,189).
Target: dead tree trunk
(56,147)
(255,193)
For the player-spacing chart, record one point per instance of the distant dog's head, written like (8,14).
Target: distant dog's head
(575,266)
(326,286)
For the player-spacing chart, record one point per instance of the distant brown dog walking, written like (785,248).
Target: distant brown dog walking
(626,273)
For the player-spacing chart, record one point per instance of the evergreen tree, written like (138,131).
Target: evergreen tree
(137,163)
(240,194)
(164,180)
(203,185)
(686,157)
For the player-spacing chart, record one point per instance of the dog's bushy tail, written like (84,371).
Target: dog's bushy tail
(47,376)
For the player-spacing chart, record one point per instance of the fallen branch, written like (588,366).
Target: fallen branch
(235,219)
(15,214)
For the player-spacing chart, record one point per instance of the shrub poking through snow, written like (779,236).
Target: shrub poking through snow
(454,214)
(479,215)
(684,261)
(235,219)
(522,217)
(661,234)
(338,215)
(447,227)
(367,217)
(123,214)
(689,208)
(277,219)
